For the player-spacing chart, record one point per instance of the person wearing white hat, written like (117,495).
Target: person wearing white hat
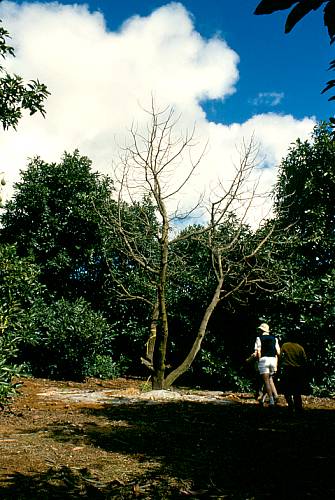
(266,350)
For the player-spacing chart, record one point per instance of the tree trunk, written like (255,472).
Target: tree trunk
(159,354)
(150,345)
(184,366)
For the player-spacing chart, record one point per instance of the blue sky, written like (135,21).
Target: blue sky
(294,66)
(235,75)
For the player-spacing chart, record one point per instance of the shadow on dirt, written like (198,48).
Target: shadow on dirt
(225,451)
(62,483)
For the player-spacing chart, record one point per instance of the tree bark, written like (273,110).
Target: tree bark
(150,345)
(159,354)
(184,366)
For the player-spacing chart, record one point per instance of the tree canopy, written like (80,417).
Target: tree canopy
(53,215)
(89,247)
(304,197)
(16,95)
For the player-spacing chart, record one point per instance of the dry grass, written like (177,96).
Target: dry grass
(53,449)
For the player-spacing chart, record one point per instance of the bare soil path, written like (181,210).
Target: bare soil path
(109,440)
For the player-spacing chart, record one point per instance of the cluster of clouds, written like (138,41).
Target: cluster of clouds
(101,81)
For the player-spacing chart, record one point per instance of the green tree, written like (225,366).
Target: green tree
(16,95)
(19,291)
(56,338)
(300,9)
(53,216)
(304,199)
(128,292)
(59,214)
(65,339)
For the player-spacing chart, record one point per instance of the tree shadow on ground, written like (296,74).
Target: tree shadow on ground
(65,484)
(224,451)
(61,483)
(241,451)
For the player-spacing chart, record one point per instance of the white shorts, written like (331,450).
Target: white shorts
(267,364)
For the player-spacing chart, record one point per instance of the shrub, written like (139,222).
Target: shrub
(217,370)
(65,340)
(19,288)
(8,369)
(104,367)
(323,383)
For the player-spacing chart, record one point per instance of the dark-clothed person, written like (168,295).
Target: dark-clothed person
(293,362)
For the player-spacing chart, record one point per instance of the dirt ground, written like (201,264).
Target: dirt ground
(109,440)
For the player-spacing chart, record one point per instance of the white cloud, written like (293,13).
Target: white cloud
(268,98)
(100,79)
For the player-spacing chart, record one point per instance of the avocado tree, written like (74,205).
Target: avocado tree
(57,216)
(16,95)
(148,166)
(304,195)
(52,216)
(19,290)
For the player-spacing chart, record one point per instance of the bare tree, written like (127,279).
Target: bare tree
(147,168)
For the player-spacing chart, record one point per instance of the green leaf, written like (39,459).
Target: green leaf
(329,17)
(270,6)
(300,11)
(329,86)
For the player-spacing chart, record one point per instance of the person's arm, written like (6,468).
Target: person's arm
(258,346)
(277,347)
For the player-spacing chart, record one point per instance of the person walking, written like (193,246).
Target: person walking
(293,364)
(252,370)
(266,350)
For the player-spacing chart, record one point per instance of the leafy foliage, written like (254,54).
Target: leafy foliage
(8,369)
(128,277)
(105,367)
(72,237)
(19,288)
(54,217)
(66,340)
(15,95)
(59,339)
(304,197)
(300,9)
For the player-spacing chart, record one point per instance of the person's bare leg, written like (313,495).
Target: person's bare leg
(266,378)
